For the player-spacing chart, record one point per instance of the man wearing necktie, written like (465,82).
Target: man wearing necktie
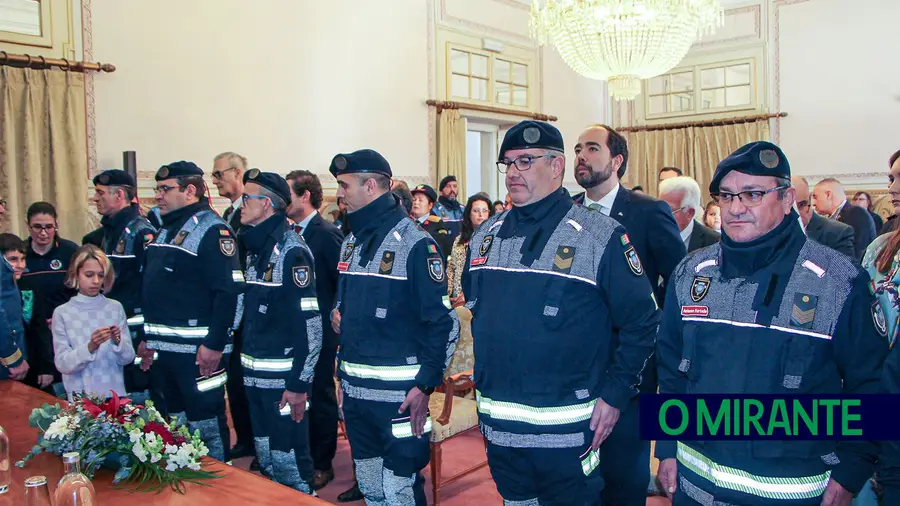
(227,174)
(601,157)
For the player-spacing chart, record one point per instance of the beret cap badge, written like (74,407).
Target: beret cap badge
(253,174)
(531,135)
(163,172)
(769,158)
(103,179)
(340,162)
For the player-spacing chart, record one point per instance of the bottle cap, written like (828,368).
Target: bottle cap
(35,481)
(71,457)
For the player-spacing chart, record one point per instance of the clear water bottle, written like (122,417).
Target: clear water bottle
(74,489)
(5,471)
(36,491)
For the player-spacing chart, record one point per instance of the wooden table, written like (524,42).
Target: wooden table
(236,486)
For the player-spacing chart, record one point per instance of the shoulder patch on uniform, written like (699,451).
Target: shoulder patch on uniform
(565,256)
(625,240)
(803,313)
(436,269)
(486,245)
(224,232)
(634,263)
(432,249)
(699,288)
(301,276)
(226,246)
(387,263)
(879,320)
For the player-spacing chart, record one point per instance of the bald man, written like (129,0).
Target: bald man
(831,201)
(834,234)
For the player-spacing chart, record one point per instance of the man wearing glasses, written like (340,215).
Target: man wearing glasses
(682,194)
(831,233)
(766,311)
(551,377)
(192,280)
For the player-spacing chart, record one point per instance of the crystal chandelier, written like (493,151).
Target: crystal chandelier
(623,41)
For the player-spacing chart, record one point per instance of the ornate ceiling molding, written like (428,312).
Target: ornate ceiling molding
(756,10)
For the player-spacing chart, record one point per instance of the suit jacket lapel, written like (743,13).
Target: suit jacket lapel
(620,205)
(314,222)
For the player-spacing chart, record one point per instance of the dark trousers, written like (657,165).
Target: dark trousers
(199,402)
(625,461)
(237,397)
(323,411)
(282,445)
(388,461)
(546,476)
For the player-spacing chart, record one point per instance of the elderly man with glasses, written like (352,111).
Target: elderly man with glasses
(766,311)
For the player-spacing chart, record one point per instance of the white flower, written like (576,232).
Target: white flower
(170,467)
(60,428)
(171,449)
(139,451)
(134,435)
(155,458)
(194,466)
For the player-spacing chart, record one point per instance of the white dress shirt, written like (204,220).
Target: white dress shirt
(303,224)
(686,233)
(605,203)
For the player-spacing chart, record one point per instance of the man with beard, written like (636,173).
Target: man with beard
(447,207)
(601,157)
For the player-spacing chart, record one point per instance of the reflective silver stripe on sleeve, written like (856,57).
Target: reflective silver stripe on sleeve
(213,382)
(156,329)
(404,429)
(137,319)
(264,383)
(512,440)
(267,364)
(314,347)
(381,372)
(557,415)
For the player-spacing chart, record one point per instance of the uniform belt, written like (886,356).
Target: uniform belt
(787,488)
(157,329)
(557,415)
(267,364)
(381,372)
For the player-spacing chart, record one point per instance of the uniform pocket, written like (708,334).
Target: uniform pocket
(797,361)
(689,365)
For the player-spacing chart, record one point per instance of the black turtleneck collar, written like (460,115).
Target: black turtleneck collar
(371,223)
(177,217)
(536,223)
(119,220)
(259,239)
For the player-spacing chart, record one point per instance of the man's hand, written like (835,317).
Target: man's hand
(208,360)
(99,337)
(667,473)
(18,372)
(45,380)
(336,321)
(603,420)
(417,402)
(297,402)
(836,495)
(146,355)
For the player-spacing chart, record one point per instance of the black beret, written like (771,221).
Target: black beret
(178,169)
(761,158)
(364,160)
(532,134)
(447,180)
(270,181)
(426,190)
(114,177)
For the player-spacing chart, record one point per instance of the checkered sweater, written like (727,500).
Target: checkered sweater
(94,373)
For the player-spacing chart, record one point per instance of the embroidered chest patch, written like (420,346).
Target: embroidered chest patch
(387,263)
(565,256)
(120,248)
(301,276)
(55,264)
(699,288)
(348,252)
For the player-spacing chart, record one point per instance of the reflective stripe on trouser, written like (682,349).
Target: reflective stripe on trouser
(158,329)
(381,372)
(267,364)
(388,457)
(555,415)
(282,445)
(135,320)
(201,401)
(769,487)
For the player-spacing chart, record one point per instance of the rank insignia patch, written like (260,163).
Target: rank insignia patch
(301,276)
(267,276)
(804,311)
(486,245)
(348,252)
(565,256)
(226,246)
(387,263)
(879,319)
(436,269)
(181,236)
(699,288)
(634,263)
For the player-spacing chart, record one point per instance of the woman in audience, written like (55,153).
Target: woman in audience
(90,332)
(712,216)
(863,199)
(499,207)
(478,209)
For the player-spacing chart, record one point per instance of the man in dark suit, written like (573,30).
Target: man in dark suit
(324,240)
(228,177)
(831,201)
(601,157)
(682,194)
(834,234)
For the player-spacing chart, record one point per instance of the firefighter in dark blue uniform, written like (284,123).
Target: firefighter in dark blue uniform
(192,281)
(766,311)
(397,332)
(282,331)
(550,388)
(125,235)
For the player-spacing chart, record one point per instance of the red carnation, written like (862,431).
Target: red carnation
(161,431)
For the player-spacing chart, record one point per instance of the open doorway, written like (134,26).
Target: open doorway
(481,155)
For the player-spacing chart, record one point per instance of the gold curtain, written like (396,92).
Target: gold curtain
(452,148)
(43,151)
(695,150)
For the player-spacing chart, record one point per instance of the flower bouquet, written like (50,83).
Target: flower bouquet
(146,450)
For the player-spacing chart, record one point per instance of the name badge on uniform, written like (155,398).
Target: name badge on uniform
(565,256)
(634,263)
(301,276)
(695,311)
(803,313)
(343,266)
(387,263)
(699,288)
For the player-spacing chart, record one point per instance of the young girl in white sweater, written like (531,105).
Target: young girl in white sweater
(90,332)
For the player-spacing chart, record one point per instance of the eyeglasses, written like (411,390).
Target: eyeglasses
(750,198)
(522,163)
(165,188)
(245,197)
(679,210)
(37,227)
(219,174)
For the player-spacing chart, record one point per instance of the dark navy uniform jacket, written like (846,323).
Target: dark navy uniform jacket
(779,315)
(126,236)
(397,328)
(282,326)
(191,283)
(547,283)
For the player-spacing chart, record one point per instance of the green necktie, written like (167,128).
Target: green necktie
(595,207)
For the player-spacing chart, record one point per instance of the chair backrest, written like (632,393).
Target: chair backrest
(464,357)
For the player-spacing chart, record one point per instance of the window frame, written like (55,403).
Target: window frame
(45,39)
(697,90)
(492,80)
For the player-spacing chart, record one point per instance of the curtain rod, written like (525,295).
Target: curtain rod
(441,105)
(39,62)
(713,122)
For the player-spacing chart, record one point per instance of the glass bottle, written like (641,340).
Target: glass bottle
(74,489)
(36,491)
(5,472)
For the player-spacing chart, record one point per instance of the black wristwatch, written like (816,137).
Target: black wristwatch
(425,390)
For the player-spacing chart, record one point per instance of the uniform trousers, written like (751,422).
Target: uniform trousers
(323,410)
(388,457)
(625,461)
(689,493)
(199,402)
(282,445)
(237,397)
